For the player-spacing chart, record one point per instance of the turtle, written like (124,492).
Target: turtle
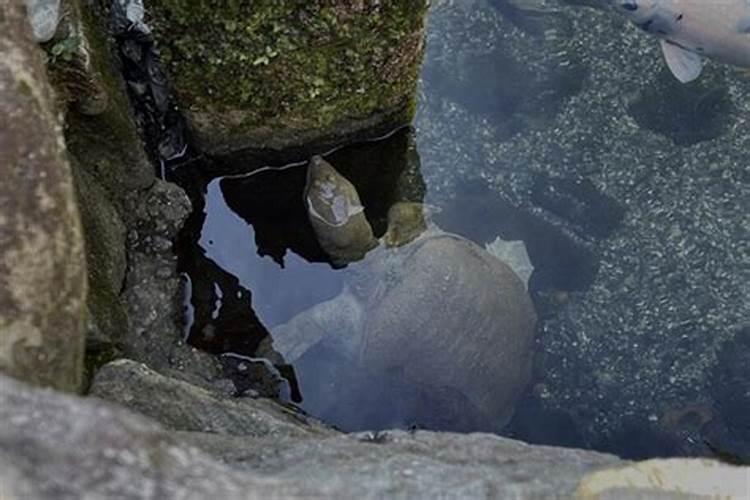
(431,306)
(336,214)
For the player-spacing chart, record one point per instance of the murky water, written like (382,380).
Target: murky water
(560,128)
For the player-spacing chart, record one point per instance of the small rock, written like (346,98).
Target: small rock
(44,16)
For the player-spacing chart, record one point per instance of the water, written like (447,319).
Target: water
(561,129)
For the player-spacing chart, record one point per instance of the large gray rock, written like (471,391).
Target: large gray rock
(59,447)
(287,74)
(152,295)
(54,446)
(107,158)
(637,341)
(183,406)
(42,268)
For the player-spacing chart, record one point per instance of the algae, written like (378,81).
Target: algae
(250,70)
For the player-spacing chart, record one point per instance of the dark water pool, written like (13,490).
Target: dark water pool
(560,128)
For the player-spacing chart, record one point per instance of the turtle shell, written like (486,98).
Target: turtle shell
(452,315)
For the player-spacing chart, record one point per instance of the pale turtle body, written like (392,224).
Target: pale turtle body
(434,307)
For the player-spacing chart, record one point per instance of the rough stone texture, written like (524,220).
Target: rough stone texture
(54,446)
(182,406)
(105,144)
(398,464)
(277,74)
(42,267)
(107,160)
(665,479)
(638,343)
(58,447)
(153,293)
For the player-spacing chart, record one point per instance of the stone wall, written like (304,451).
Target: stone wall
(272,75)
(42,269)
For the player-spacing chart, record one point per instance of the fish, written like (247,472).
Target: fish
(43,16)
(692,31)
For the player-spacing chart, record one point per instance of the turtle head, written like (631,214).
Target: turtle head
(318,170)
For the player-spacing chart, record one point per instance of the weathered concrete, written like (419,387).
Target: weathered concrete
(42,268)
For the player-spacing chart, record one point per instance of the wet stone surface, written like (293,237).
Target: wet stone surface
(55,446)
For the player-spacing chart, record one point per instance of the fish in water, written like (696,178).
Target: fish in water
(691,31)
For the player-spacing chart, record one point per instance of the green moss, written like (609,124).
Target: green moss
(107,159)
(94,359)
(106,145)
(291,64)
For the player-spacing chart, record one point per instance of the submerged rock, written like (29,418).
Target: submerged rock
(42,268)
(578,202)
(685,113)
(730,389)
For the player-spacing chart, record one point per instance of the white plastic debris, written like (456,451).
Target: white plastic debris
(515,255)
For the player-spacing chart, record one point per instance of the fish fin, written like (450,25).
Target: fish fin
(686,66)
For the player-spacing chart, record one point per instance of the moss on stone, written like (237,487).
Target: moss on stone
(107,159)
(270,68)
(42,270)
(107,145)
